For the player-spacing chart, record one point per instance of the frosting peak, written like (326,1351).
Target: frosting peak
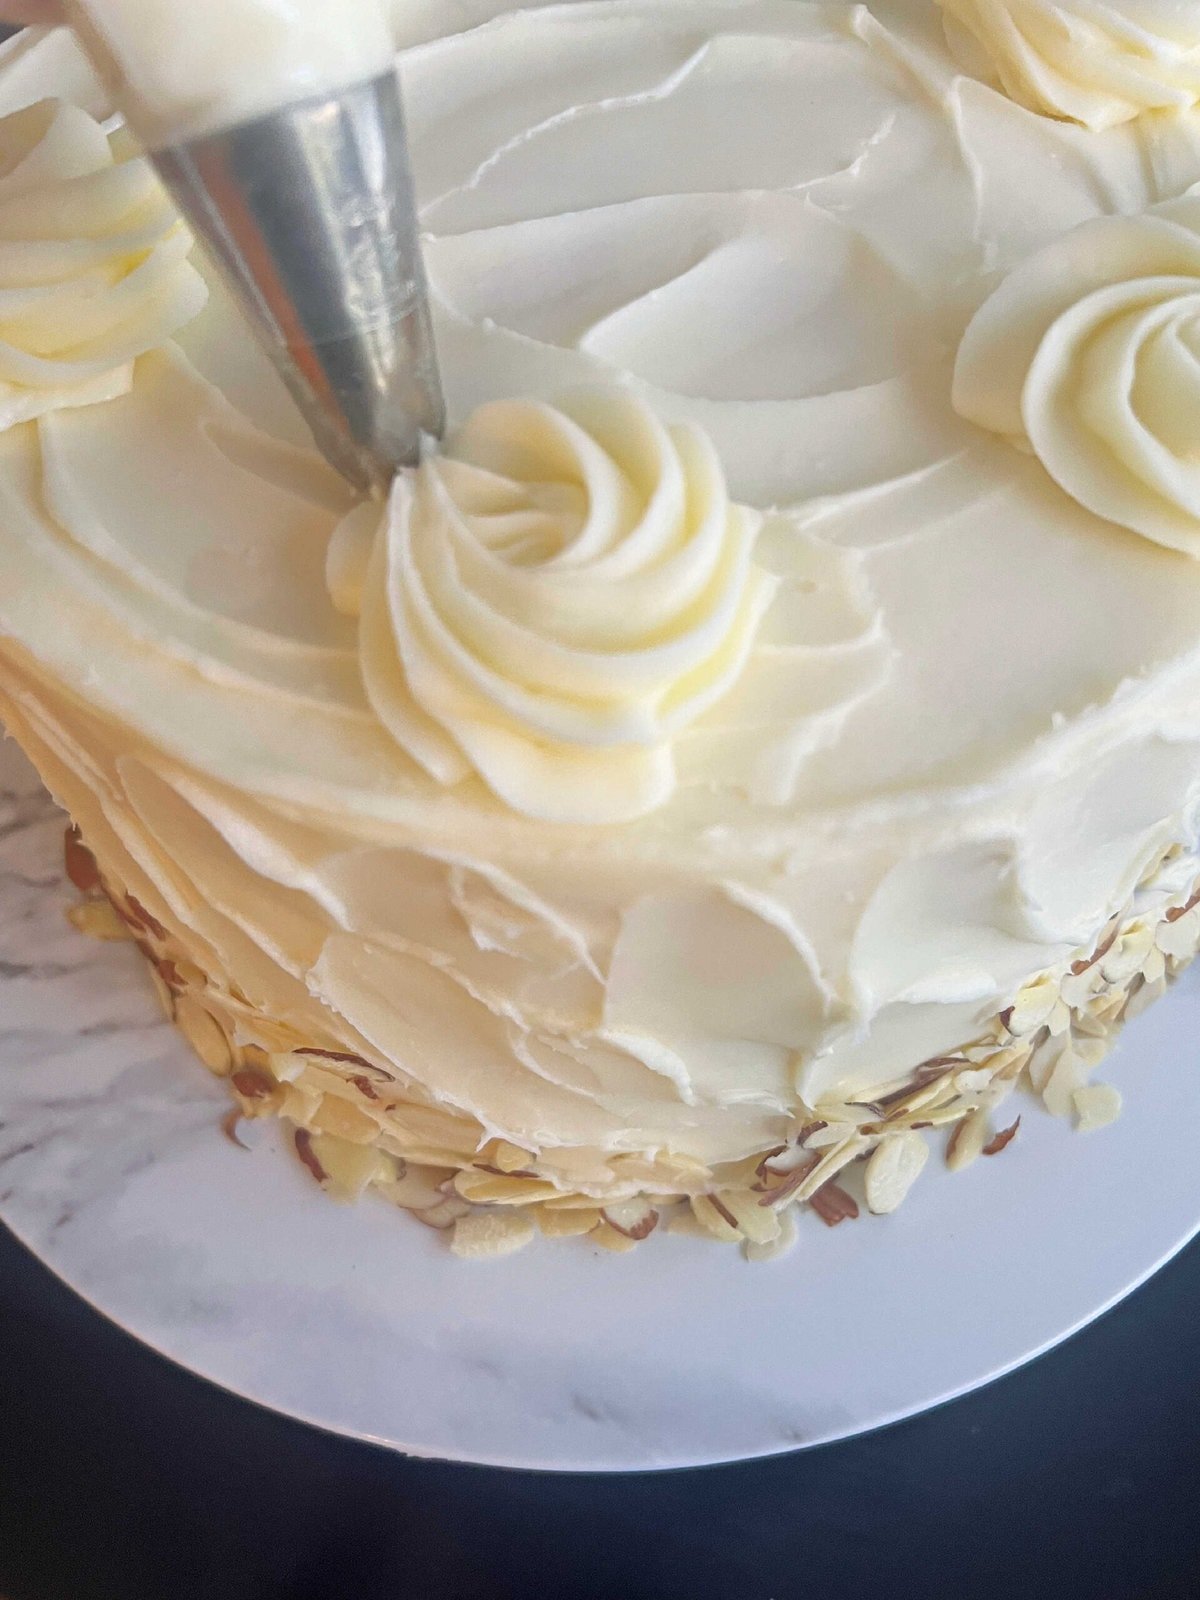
(1098,62)
(1089,353)
(553,600)
(93,268)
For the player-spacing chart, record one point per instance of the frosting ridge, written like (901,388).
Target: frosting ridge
(1089,355)
(93,263)
(1099,62)
(553,599)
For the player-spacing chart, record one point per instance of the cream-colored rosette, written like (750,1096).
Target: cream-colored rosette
(1089,354)
(1098,62)
(550,601)
(93,263)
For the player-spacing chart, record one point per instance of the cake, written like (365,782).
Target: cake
(763,743)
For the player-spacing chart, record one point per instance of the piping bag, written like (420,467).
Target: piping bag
(277,127)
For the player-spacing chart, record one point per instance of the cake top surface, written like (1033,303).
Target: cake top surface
(968,693)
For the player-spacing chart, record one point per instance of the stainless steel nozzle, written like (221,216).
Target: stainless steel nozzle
(310,213)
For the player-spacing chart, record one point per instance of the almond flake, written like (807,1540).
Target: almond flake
(1032,1007)
(343,1119)
(204,1033)
(79,862)
(967,1140)
(893,1168)
(443,1215)
(715,1218)
(97,919)
(1179,937)
(567,1224)
(609,1238)
(1004,1138)
(758,1225)
(482,1235)
(782,1242)
(1097,1104)
(833,1205)
(636,1219)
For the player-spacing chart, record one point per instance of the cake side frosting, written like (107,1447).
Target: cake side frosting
(967,725)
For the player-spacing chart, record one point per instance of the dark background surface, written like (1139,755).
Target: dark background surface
(122,1478)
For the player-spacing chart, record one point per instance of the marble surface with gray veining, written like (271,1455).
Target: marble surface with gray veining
(113,1169)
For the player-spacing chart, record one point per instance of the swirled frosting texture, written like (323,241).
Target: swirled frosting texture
(93,268)
(1098,62)
(551,601)
(1089,354)
(968,719)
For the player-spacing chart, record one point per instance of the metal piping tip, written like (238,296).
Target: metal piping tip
(310,213)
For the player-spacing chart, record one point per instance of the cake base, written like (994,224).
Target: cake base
(354,1130)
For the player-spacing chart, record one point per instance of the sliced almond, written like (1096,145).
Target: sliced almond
(1130,949)
(758,1224)
(1032,1007)
(967,1140)
(350,1168)
(79,862)
(483,1188)
(1145,996)
(1002,1140)
(609,1238)
(98,920)
(567,1224)
(1070,1073)
(833,1205)
(343,1119)
(636,1219)
(1179,937)
(782,1242)
(484,1234)
(204,1033)
(443,1215)
(715,1218)
(893,1168)
(1097,1104)
(415,1188)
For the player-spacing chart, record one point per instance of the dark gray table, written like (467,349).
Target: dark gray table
(122,1478)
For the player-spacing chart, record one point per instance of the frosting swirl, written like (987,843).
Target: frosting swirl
(1089,354)
(1098,62)
(93,268)
(554,599)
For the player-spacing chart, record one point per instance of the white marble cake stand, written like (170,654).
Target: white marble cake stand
(235,1265)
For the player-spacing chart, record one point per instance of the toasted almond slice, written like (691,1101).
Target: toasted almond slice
(348,1167)
(343,1119)
(567,1224)
(1032,1007)
(833,1205)
(204,1033)
(415,1188)
(445,1214)
(686,1222)
(758,1224)
(1070,1073)
(613,1239)
(98,920)
(165,998)
(484,1189)
(507,1157)
(1130,949)
(1097,1104)
(715,1218)
(893,1168)
(967,1140)
(79,861)
(1002,1140)
(767,1250)
(636,1219)
(483,1234)
(826,1134)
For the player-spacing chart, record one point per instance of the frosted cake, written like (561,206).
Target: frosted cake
(767,734)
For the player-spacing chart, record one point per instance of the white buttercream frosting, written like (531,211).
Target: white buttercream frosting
(1098,62)
(233,60)
(968,719)
(554,598)
(93,263)
(1089,354)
